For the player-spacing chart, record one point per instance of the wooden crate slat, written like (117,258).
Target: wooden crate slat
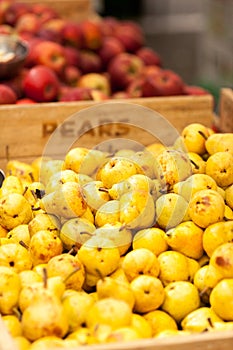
(76,10)
(26,129)
(226,110)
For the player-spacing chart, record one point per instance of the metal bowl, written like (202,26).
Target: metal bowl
(13,52)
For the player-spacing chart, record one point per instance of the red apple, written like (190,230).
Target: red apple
(107,25)
(150,70)
(50,54)
(75,94)
(149,56)
(41,84)
(14,11)
(195,90)
(71,75)
(63,89)
(133,25)
(72,55)
(89,62)
(25,101)
(71,34)
(55,24)
(95,81)
(91,33)
(28,22)
(26,36)
(111,47)
(124,68)
(49,34)
(7,95)
(140,87)
(130,35)
(32,41)
(167,83)
(16,83)
(44,12)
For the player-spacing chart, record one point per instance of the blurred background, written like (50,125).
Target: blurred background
(193,37)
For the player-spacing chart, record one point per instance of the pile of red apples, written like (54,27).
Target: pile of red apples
(96,59)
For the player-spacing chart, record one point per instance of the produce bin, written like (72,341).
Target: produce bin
(25,129)
(41,121)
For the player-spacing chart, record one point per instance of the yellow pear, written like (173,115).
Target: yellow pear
(217,234)
(15,256)
(69,268)
(148,292)
(100,256)
(113,312)
(10,289)
(76,305)
(110,287)
(186,238)
(160,321)
(44,245)
(200,320)
(194,137)
(140,261)
(43,317)
(221,299)
(152,238)
(174,266)
(180,290)
(13,325)
(14,210)
(76,231)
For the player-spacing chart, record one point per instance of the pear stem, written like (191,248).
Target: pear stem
(103,189)
(45,278)
(25,190)
(203,291)
(17,313)
(210,322)
(23,244)
(202,134)
(195,165)
(72,250)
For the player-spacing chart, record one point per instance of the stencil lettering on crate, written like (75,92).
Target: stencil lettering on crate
(71,128)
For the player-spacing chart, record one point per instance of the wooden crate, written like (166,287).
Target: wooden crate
(226,110)
(26,129)
(76,10)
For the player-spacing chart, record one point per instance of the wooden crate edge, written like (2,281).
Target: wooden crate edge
(178,111)
(226,110)
(76,10)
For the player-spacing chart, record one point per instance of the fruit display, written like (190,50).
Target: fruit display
(103,248)
(94,59)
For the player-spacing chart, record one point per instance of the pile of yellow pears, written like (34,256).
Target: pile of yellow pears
(100,248)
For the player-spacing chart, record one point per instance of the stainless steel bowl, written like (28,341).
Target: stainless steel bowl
(13,52)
